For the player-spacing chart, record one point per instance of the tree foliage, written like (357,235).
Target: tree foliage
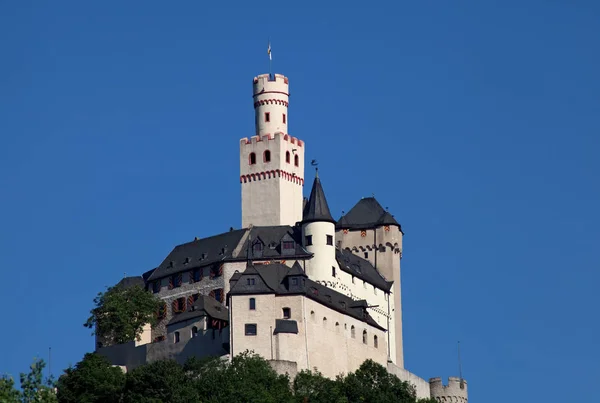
(247,378)
(121,313)
(92,380)
(34,387)
(8,393)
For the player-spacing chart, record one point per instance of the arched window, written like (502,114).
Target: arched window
(337,326)
(324,321)
(252,159)
(287,157)
(296,160)
(375,342)
(352,332)
(194,332)
(312,315)
(176,340)
(365,336)
(252,306)
(267,156)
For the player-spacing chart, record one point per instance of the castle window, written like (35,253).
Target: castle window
(287,157)
(267,117)
(267,156)
(353,332)
(329,239)
(287,313)
(333,271)
(175,281)
(252,159)
(284,118)
(364,336)
(324,321)
(312,315)
(219,294)
(194,332)
(337,326)
(176,337)
(296,160)
(162,311)
(366,255)
(251,281)
(178,305)
(375,342)
(287,245)
(252,304)
(250,329)
(308,240)
(156,286)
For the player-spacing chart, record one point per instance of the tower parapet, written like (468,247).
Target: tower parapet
(455,391)
(271,99)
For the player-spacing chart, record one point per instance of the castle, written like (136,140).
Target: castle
(294,285)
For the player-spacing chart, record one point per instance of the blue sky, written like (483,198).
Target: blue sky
(475,122)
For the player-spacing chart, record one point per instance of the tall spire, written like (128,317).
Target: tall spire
(316,208)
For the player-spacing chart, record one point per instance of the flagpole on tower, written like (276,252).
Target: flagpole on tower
(270,59)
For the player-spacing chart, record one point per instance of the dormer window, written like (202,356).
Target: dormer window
(251,281)
(294,280)
(288,245)
(257,248)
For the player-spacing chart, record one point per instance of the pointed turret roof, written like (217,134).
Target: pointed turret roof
(316,209)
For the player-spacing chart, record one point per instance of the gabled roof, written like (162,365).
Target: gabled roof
(272,279)
(316,209)
(362,269)
(128,282)
(198,253)
(231,246)
(204,306)
(366,214)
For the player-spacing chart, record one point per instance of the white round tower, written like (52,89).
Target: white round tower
(271,99)
(318,229)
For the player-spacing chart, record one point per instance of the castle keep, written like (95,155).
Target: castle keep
(295,285)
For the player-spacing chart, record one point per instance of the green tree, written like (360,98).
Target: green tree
(248,378)
(121,313)
(372,383)
(159,382)
(92,380)
(8,393)
(35,388)
(313,387)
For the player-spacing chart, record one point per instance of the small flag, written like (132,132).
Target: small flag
(269,51)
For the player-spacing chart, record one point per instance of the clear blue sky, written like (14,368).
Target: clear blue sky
(475,122)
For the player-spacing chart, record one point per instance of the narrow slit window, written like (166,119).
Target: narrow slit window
(267,156)
(252,304)
(267,117)
(296,160)
(284,121)
(252,159)
(329,239)
(287,157)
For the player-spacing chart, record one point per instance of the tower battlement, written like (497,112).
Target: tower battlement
(271,82)
(266,137)
(455,391)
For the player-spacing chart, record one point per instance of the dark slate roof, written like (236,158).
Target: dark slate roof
(128,282)
(271,237)
(218,248)
(316,209)
(274,279)
(362,269)
(285,326)
(200,252)
(205,305)
(366,214)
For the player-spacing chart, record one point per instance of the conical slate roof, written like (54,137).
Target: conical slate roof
(316,209)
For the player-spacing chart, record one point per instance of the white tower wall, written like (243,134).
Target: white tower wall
(318,268)
(271,162)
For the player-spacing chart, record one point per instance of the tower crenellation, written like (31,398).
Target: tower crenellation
(455,391)
(271,100)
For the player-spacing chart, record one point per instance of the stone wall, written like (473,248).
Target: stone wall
(421,385)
